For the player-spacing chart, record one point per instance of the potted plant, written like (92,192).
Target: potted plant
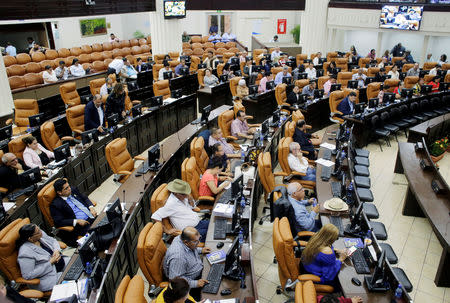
(438,148)
(296,33)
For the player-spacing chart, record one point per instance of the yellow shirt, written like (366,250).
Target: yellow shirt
(160,298)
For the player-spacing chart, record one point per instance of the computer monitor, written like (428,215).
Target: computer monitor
(303,98)
(233,256)
(30,177)
(253,90)
(343,185)
(441,73)
(205,113)
(113,120)
(336,70)
(443,86)
(377,281)
(62,152)
(184,71)
(132,86)
(223,78)
(388,98)
(322,60)
(290,64)
(355,220)
(352,84)
(336,86)
(359,108)
(114,211)
(387,77)
(136,110)
(402,75)
(426,89)
(88,251)
(422,73)
(216,63)
(287,80)
(89,136)
(96,276)
(275,117)
(302,76)
(234,61)
(176,93)
(167,75)
(201,65)
(369,80)
(373,102)
(238,73)
(153,155)
(318,93)
(237,187)
(248,58)
(406,93)
(157,101)
(36,120)
(319,73)
(270,85)
(6,132)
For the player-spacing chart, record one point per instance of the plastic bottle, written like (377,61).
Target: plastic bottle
(261,138)
(28,129)
(242,203)
(242,155)
(343,155)
(88,268)
(241,237)
(315,202)
(398,293)
(350,190)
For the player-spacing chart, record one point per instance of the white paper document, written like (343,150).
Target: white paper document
(324,162)
(8,205)
(328,145)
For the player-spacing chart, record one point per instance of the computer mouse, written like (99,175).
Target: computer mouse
(220,245)
(356,281)
(226,292)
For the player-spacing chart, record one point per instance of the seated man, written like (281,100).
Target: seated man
(106,88)
(140,67)
(211,60)
(179,67)
(71,208)
(305,140)
(309,89)
(327,85)
(94,115)
(76,69)
(381,93)
(242,89)
(228,36)
(284,73)
(311,71)
(179,208)
(9,172)
(214,38)
(347,105)
(305,220)
(240,128)
(294,96)
(360,77)
(217,137)
(413,71)
(299,163)
(166,68)
(379,77)
(182,259)
(127,71)
(275,55)
(62,72)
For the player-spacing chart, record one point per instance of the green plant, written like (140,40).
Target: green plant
(438,147)
(138,34)
(296,33)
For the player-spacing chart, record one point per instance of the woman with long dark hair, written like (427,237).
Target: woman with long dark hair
(115,104)
(176,292)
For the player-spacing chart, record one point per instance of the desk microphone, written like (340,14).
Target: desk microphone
(123,196)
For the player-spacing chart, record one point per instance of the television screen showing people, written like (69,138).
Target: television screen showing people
(401,17)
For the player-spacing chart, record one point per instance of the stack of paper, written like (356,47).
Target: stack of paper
(324,162)
(224,210)
(328,145)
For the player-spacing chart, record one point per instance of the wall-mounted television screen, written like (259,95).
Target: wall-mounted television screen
(174,9)
(404,17)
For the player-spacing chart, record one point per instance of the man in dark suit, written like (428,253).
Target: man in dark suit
(304,139)
(71,208)
(140,67)
(94,115)
(294,96)
(347,105)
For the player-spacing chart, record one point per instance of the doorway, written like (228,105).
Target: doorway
(222,22)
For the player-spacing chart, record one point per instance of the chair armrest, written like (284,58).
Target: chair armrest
(321,288)
(305,234)
(163,284)
(196,209)
(9,121)
(304,152)
(206,198)
(297,173)
(308,126)
(301,242)
(67,138)
(285,104)
(77,131)
(254,125)
(336,113)
(3,190)
(62,245)
(232,138)
(134,102)
(29,282)
(66,228)
(281,173)
(248,117)
(312,162)
(124,172)
(233,156)
(139,158)
(32,293)
(309,277)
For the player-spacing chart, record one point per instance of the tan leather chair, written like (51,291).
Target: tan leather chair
(234,82)
(49,136)
(190,174)
(37,57)
(195,61)
(321,81)
(429,65)
(16,82)
(107,46)
(84,58)
(44,63)
(305,292)
(9,60)
(331,56)
(289,128)
(257,52)
(159,58)
(185,45)
(237,106)
(373,89)
(173,64)
(142,41)
(335,98)
(396,59)
(410,81)
(63,53)
(447,78)
(161,88)
(155,71)
(134,42)
(117,53)
(95,85)
(196,39)
(219,45)
(75,51)
(363,62)
(342,63)
(266,175)
(426,78)
(220,67)
(136,50)
(23,108)
(16,146)
(75,118)
(125,43)
(119,159)
(23,58)
(280,96)
(283,154)
(300,58)
(288,265)
(445,66)
(200,76)
(69,94)
(198,151)
(347,91)
(297,115)
(8,258)
(393,83)
(99,66)
(301,83)
(174,55)
(107,55)
(150,254)
(230,44)
(33,79)
(16,70)
(372,71)
(130,291)
(407,66)
(158,200)
(32,67)
(226,56)
(224,121)
(344,77)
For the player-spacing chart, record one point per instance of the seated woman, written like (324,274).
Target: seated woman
(299,163)
(35,155)
(398,90)
(435,84)
(210,179)
(319,257)
(331,69)
(210,79)
(333,298)
(176,292)
(241,89)
(418,87)
(39,257)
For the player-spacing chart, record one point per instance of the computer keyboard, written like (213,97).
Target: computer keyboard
(225,197)
(103,221)
(337,221)
(336,189)
(359,262)
(327,154)
(214,278)
(326,173)
(220,229)
(27,190)
(144,168)
(75,270)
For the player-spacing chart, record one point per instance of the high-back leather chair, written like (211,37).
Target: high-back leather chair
(280,96)
(199,153)
(155,71)
(427,78)
(233,85)
(342,63)
(69,94)
(49,136)
(16,146)
(220,67)
(288,264)
(335,98)
(372,71)
(23,108)
(392,83)
(195,61)
(23,58)
(297,115)
(150,253)
(226,56)
(265,173)
(407,66)
(373,89)
(344,77)
(300,58)
(200,76)
(224,121)
(276,70)
(347,92)
(301,83)
(305,292)
(158,200)
(9,60)
(321,81)
(174,55)
(75,118)
(95,85)
(410,81)
(119,159)
(130,291)
(161,88)
(159,58)
(331,56)
(429,65)
(363,62)
(190,174)
(289,128)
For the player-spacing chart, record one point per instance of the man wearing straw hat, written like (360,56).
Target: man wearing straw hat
(179,209)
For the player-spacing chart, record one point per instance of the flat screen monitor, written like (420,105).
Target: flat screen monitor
(201,65)
(352,84)
(114,210)
(373,102)
(88,251)
(270,85)
(378,280)
(265,128)
(388,98)
(404,17)
(276,117)
(36,120)
(157,101)
(253,89)
(318,93)
(237,186)
(176,93)
(369,80)
(62,152)
(6,132)
(232,255)
(406,93)
(334,87)
(153,155)
(322,60)
(426,89)
(136,110)
(302,76)
(422,73)
(234,61)
(167,75)
(319,73)
(359,108)
(237,72)
(205,113)
(444,86)
(30,177)
(174,9)
(132,86)
(113,120)
(287,80)
(89,136)
(223,78)
(184,71)
(96,276)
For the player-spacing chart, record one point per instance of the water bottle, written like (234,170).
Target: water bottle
(368,238)
(398,293)
(261,138)
(88,268)
(350,193)
(343,155)
(242,203)
(241,237)
(242,155)
(28,129)
(315,202)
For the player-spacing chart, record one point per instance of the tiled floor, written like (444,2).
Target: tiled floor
(412,238)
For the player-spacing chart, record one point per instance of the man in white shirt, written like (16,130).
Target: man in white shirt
(31,43)
(215,37)
(298,163)
(49,75)
(113,38)
(274,39)
(360,77)
(228,36)
(311,71)
(116,65)
(434,70)
(127,71)
(62,72)
(105,87)
(76,69)
(10,49)
(316,59)
(166,68)
(275,56)
(413,71)
(179,209)
(284,73)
